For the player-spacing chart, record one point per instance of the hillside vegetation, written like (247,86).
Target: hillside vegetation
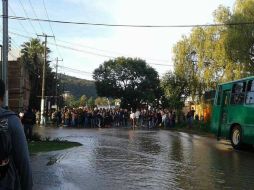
(78,87)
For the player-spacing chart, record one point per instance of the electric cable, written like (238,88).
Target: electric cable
(51,28)
(132,25)
(31,5)
(91,53)
(107,51)
(20,23)
(29,20)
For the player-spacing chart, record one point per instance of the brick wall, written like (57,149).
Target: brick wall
(19,86)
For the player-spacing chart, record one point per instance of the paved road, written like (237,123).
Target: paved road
(114,159)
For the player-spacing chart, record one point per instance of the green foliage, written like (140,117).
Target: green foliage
(83,100)
(46,146)
(131,80)
(101,101)
(78,87)
(32,54)
(90,102)
(175,90)
(240,39)
(211,55)
(71,101)
(222,14)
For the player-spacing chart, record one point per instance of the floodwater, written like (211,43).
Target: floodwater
(119,159)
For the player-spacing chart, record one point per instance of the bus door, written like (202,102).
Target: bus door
(224,112)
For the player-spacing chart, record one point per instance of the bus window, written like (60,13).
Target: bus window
(250,93)
(238,92)
(219,96)
(226,99)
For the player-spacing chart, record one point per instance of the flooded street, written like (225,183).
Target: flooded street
(114,159)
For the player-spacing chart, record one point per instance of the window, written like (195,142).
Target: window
(238,93)
(219,96)
(226,97)
(250,93)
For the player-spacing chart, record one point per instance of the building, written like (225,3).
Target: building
(19,86)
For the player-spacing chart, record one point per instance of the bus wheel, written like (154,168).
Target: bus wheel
(236,137)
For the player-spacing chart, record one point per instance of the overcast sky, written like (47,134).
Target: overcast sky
(95,44)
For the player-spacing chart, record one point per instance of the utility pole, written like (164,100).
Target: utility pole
(57,60)
(1,66)
(5,51)
(42,122)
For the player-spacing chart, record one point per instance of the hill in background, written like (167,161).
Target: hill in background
(78,87)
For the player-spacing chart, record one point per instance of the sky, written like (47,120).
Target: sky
(83,48)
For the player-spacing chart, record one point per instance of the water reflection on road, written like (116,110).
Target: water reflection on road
(125,159)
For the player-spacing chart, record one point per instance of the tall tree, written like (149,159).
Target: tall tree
(184,65)
(211,55)
(131,80)
(202,58)
(240,39)
(32,54)
(175,91)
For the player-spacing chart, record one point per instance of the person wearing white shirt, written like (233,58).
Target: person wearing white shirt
(132,117)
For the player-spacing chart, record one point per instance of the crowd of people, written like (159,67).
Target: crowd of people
(103,117)
(114,117)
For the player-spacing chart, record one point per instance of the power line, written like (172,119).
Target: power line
(44,5)
(47,16)
(13,56)
(103,55)
(29,20)
(132,25)
(87,52)
(74,70)
(15,45)
(77,71)
(21,35)
(107,51)
(18,22)
(91,53)
(31,5)
(93,48)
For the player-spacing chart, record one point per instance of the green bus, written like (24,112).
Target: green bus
(233,112)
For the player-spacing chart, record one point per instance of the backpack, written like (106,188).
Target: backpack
(5,146)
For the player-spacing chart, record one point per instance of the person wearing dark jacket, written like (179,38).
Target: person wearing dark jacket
(18,175)
(28,120)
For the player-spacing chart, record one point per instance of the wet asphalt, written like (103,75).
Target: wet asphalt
(117,158)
